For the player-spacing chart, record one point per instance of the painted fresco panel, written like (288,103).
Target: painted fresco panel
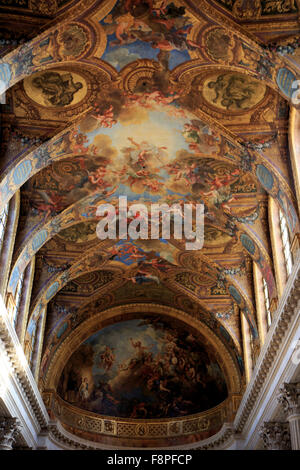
(158,370)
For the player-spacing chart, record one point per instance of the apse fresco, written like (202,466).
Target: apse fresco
(158,370)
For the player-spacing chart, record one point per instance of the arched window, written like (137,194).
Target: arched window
(3,222)
(267,303)
(37,329)
(286,243)
(18,295)
(22,300)
(33,346)
(8,227)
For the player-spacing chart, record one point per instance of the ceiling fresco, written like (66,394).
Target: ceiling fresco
(162,102)
(136,31)
(158,371)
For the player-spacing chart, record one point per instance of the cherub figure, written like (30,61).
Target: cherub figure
(106,119)
(53,203)
(107,358)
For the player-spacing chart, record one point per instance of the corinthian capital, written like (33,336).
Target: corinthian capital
(289,398)
(276,436)
(8,430)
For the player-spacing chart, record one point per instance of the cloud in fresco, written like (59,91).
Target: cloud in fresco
(120,57)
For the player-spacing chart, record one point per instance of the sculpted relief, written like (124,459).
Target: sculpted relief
(55,88)
(233,91)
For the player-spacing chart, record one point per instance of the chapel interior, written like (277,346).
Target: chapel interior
(139,342)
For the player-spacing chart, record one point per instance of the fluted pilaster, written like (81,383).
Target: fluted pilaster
(289,398)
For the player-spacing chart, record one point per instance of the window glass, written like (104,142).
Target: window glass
(267,303)
(3,222)
(286,243)
(18,295)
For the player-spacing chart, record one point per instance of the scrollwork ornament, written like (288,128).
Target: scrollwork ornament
(44,7)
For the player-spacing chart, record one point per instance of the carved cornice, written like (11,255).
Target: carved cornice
(218,440)
(285,316)
(52,430)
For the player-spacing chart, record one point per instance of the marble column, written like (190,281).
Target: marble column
(275,436)
(8,430)
(289,397)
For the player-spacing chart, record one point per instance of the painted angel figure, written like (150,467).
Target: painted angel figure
(157,97)
(133,253)
(84,389)
(78,141)
(143,276)
(53,203)
(140,350)
(97,177)
(202,139)
(174,40)
(220,193)
(107,358)
(106,119)
(143,151)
